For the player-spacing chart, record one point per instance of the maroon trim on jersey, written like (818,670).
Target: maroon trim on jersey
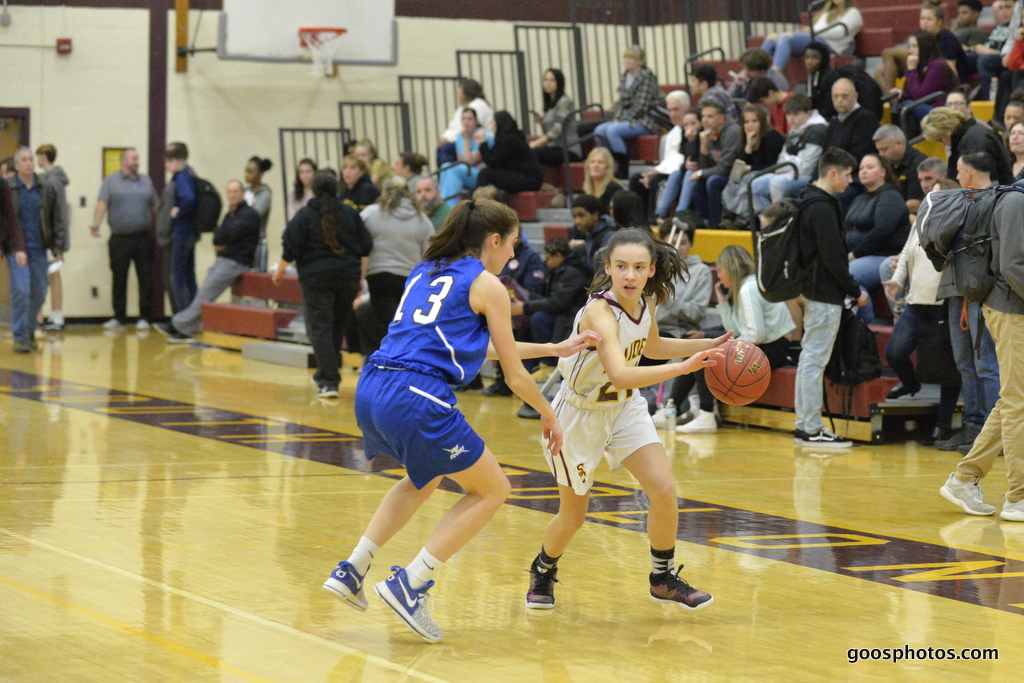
(616,304)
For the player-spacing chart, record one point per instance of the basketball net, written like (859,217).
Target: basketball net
(323,45)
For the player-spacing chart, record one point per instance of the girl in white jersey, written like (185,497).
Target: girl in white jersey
(602,412)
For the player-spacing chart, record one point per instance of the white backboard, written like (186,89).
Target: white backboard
(268,30)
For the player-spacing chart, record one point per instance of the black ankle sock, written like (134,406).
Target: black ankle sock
(661,562)
(544,562)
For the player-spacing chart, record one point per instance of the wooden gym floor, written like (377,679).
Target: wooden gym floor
(168,513)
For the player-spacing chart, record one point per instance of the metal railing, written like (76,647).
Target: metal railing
(385,124)
(551,47)
(431,101)
(323,145)
(503,76)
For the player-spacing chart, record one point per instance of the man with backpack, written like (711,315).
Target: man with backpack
(826,285)
(1004,428)
(183,228)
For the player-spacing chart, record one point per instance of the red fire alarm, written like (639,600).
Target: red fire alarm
(63,46)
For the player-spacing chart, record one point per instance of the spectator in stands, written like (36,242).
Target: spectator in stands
(987,56)
(1014,110)
(7,169)
(756,64)
(973,346)
(876,226)
(703,82)
(183,230)
(633,113)
(46,155)
(931,19)
(836,24)
(235,241)
(760,146)
(803,147)
(556,121)
(12,243)
(1001,433)
(924,313)
(409,165)
(853,126)
(454,178)
(648,185)
(1015,144)
(400,233)
(302,190)
(751,318)
(820,77)
(966,28)
(629,211)
(131,201)
(563,293)
(470,95)
(891,145)
(428,199)
(927,73)
(958,100)
(598,179)
(330,246)
(257,195)
(719,147)
(965,135)
(377,168)
(678,188)
(765,93)
(929,172)
(821,241)
(593,224)
(357,189)
(511,166)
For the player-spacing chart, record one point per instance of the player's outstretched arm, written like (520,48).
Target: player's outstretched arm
(489,297)
(562,349)
(666,348)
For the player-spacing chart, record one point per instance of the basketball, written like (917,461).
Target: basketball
(742,377)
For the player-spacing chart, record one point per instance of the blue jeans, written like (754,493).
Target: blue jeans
(678,185)
(183,267)
(989,67)
(865,270)
(446,154)
(905,338)
(980,375)
(455,179)
(28,292)
(542,331)
(707,197)
(821,325)
(617,132)
(787,45)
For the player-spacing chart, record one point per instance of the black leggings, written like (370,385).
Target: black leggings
(386,291)
(776,351)
(550,155)
(509,181)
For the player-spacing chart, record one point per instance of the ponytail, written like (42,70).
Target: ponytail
(325,189)
(466,228)
(667,264)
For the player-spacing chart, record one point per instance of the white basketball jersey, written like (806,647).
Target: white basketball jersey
(583,373)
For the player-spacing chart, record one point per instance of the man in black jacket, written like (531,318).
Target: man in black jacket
(236,240)
(828,284)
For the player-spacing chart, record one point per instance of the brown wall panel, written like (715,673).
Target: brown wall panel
(522,10)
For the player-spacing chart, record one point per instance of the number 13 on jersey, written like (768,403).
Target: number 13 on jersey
(443,285)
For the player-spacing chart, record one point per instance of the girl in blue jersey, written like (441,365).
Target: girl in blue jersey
(454,314)
(605,416)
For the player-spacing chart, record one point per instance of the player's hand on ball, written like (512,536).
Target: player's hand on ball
(577,343)
(703,359)
(552,433)
(721,340)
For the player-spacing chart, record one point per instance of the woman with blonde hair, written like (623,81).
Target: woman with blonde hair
(965,135)
(836,25)
(599,176)
(401,234)
(379,169)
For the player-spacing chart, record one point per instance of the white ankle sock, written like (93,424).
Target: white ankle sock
(363,555)
(422,569)
(57,317)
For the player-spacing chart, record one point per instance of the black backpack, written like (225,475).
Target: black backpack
(208,206)
(780,269)
(854,354)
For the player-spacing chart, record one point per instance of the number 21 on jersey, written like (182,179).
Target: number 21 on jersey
(436,300)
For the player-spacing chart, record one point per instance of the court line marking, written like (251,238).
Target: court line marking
(234,611)
(145,635)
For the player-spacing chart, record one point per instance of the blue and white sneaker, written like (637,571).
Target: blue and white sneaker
(410,604)
(346,584)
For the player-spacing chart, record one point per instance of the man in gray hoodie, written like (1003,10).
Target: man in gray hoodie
(55,176)
(1004,427)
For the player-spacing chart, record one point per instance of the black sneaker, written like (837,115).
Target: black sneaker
(51,326)
(166,329)
(499,388)
(328,391)
(965,435)
(542,588)
(799,435)
(965,447)
(900,390)
(670,587)
(825,439)
(527,412)
(475,383)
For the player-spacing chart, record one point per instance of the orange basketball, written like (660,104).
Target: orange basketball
(742,377)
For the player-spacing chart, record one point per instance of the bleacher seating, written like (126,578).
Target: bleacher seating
(526,204)
(555,175)
(254,320)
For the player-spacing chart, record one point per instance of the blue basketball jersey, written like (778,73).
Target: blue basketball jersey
(434,330)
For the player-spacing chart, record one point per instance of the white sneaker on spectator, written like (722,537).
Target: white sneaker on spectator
(1013,512)
(112,324)
(703,423)
(142,324)
(966,495)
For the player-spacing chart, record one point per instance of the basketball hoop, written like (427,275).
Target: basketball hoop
(323,45)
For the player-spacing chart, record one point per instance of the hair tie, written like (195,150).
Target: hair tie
(472,204)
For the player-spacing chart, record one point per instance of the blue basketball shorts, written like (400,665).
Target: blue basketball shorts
(412,417)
